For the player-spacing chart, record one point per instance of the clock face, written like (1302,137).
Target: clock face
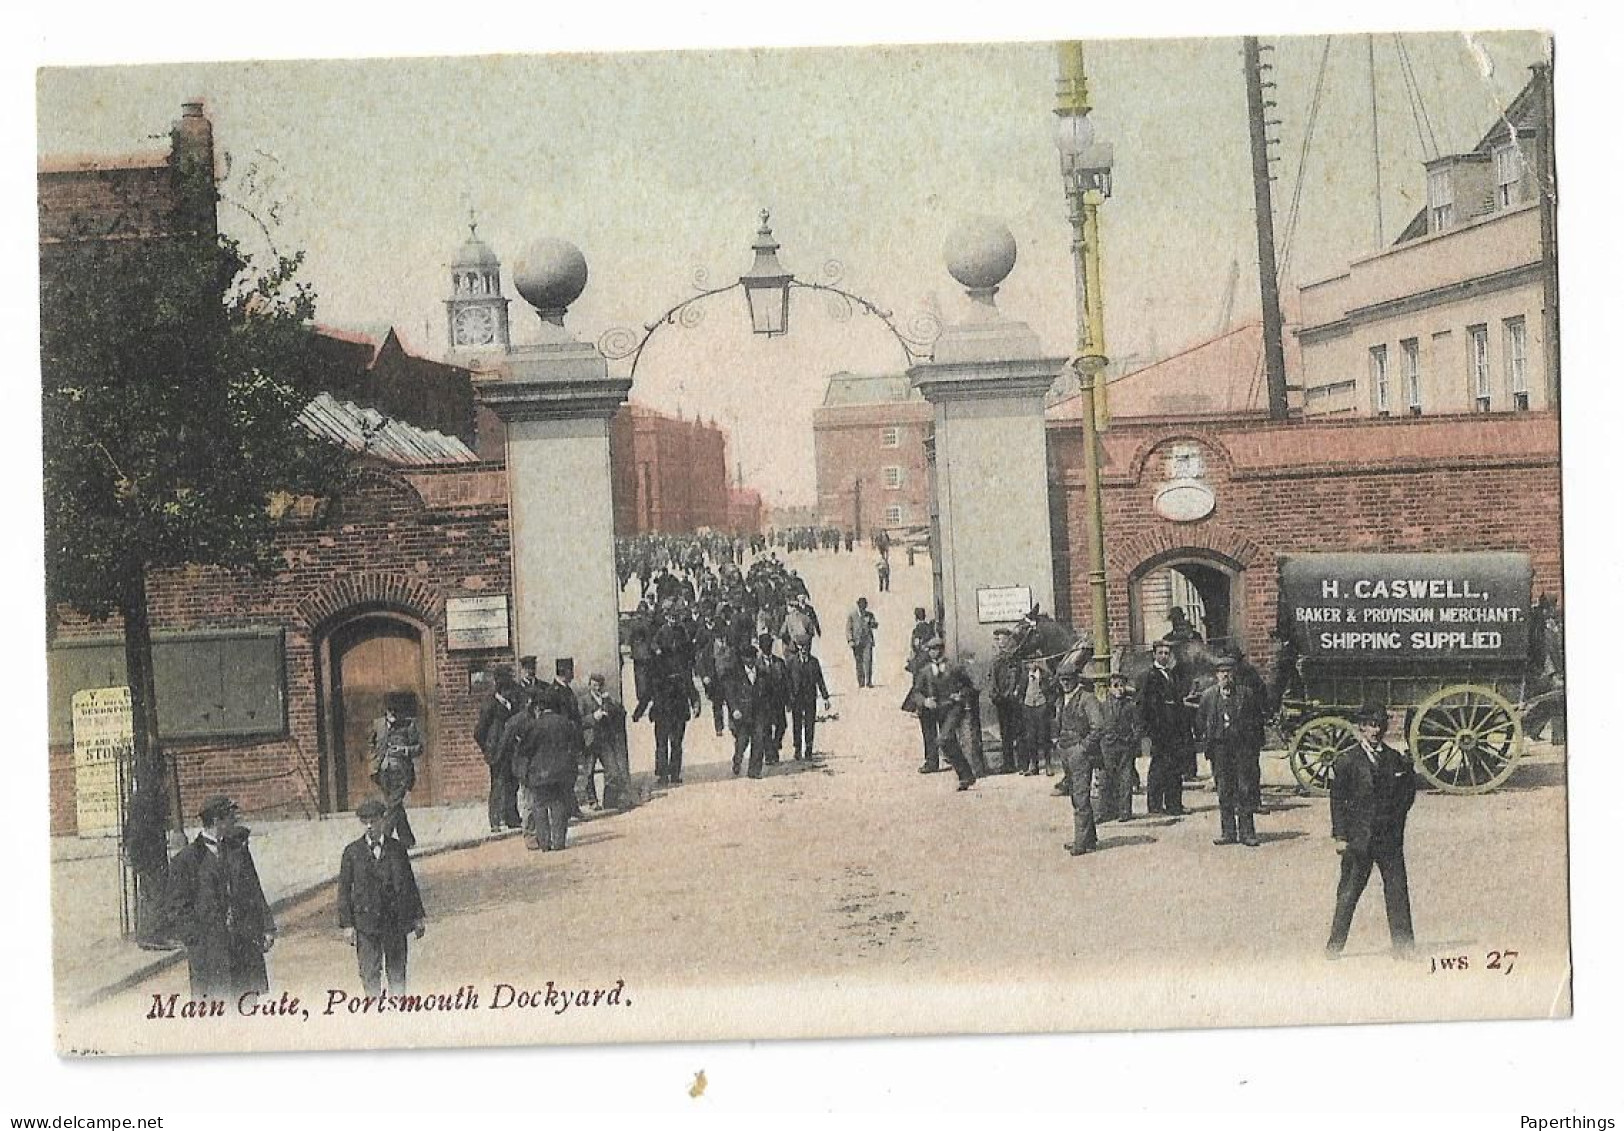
(475,326)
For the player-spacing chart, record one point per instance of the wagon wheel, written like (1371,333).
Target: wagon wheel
(1466,738)
(1315,747)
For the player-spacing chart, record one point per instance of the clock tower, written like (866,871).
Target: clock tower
(476,313)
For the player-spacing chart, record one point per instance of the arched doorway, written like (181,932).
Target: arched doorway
(1206,588)
(365,659)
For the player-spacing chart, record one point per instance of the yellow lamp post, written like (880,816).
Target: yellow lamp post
(1085,165)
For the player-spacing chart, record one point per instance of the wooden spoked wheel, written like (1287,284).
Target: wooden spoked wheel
(1466,738)
(1315,747)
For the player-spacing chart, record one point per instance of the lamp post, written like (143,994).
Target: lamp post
(1085,166)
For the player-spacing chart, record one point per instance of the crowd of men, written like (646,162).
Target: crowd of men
(1190,698)
(742,637)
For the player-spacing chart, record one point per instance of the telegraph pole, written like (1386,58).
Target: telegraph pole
(1274,355)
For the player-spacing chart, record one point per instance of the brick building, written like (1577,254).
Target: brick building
(1458,315)
(1446,483)
(670,474)
(266,689)
(868,440)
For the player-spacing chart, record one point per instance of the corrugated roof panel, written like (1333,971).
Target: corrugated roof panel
(368,430)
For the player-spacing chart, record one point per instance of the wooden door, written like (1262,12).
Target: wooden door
(372,658)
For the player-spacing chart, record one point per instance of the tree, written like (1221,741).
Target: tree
(175,370)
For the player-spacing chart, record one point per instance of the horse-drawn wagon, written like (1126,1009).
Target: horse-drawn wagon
(1450,640)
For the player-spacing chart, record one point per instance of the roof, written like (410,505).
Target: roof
(1220,376)
(370,431)
(1525,112)
(853,388)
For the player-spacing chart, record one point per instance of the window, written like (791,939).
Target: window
(891,438)
(1507,173)
(1378,380)
(1478,353)
(1440,199)
(1517,362)
(892,477)
(1409,351)
(893,515)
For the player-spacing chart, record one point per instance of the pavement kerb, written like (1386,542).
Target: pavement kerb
(175,957)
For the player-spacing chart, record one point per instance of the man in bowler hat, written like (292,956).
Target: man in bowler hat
(1372,789)
(378,901)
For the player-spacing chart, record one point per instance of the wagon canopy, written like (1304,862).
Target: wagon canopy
(1407,608)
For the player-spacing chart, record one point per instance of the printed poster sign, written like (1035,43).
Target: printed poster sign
(1003,604)
(102,728)
(476,622)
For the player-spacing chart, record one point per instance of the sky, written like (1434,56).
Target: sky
(657,164)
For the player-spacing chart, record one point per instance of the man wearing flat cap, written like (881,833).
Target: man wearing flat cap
(1372,789)
(378,901)
(397,743)
(1229,725)
(215,906)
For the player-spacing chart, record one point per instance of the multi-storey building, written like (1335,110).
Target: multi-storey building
(868,438)
(1458,314)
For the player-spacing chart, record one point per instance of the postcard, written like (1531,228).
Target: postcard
(780,543)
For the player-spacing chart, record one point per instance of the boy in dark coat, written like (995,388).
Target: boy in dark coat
(215,906)
(378,901)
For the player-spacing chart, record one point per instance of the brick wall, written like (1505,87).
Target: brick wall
(1425,484)
(402,541)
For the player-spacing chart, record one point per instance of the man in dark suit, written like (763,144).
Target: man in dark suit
(503,807)
(805,685)
(378,902)
(215,906)
(550,752)
(1372,789)
(775,700)
(747,716)
(675,701)
(1229,722)
(1161,693)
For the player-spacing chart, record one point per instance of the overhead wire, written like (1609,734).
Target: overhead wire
(1418,104)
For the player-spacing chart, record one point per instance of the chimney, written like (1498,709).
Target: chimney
(192,160)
